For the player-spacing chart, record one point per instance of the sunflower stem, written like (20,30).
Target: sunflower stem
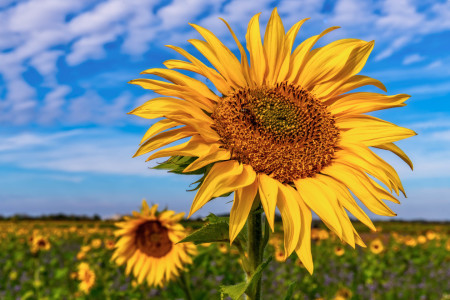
(186,285)
(255,251)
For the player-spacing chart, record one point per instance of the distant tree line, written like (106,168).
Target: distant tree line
(55,217)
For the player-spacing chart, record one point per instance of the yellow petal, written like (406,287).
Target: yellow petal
(274,46)
(334,72)
(244,61)
(358,184)
(174,90)
(300,55)
(334,62)
(288,43)
(196,146)
(229,62)
(326,91)
(377,133)
(363,102)
(219,82)
(163,139)
(303,248)
(242,204)
(347,201)
(268,190)
(290,215)
(162,106)
(183,80)
(361,156)
(256,50)
(159,127)
(320,199)
(216,154)
(219,175)
(397,151)
(246,178)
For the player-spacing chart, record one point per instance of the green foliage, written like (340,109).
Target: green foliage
(216,230)
(236,291)
(290,291)
(177,164)
(399,272)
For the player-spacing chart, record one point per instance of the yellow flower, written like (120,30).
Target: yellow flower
(421,239)
(410,241)
(148,244)
(96,243)
(447,245)
(39,243)
(223,248)
(343,294)
(376,246)
(279,255)
(81,255)
(339,250)
(86,276)
(85,248)
(283,129)
(431,235)
(109,244)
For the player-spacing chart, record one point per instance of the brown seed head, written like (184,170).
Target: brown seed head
(152,238)
(282,131)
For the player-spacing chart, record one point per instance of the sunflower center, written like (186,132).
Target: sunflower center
(282,131)
(153,239)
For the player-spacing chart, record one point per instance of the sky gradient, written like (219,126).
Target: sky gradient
(67,142)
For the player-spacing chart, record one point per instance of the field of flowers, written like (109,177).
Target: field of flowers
(44,260)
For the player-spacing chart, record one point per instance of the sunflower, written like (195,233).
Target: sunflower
(39,243)
(148,244)
(86,277)
(376,246)
(283,129)
(339,250)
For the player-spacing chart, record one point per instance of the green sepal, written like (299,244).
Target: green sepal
(236,291)
(290,290)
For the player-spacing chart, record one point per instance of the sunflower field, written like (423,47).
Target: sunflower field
(72,260)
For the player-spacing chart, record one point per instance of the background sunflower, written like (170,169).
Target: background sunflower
(148,245)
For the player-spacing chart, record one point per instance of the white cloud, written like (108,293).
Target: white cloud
(412,58)
(77,151)
(430,89)
(31,30)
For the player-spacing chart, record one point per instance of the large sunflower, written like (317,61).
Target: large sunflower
(284,126)
(148,244)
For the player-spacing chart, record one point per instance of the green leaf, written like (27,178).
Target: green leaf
(213,219)
(236,291)
(290,290)
(27,295)
(209,233)
(216,230)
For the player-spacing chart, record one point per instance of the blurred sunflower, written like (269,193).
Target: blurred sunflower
(86,277)
(282,127)
(39,243)
(148,244)
(376,246)
(339,250)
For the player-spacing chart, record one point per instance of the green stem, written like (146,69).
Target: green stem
(186,284)
(255,250)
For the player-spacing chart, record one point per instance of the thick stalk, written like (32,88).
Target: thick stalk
(255,255)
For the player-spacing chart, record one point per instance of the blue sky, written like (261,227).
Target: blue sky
(66,140)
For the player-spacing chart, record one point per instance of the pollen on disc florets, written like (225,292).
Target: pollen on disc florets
(282,131)
(152,238)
